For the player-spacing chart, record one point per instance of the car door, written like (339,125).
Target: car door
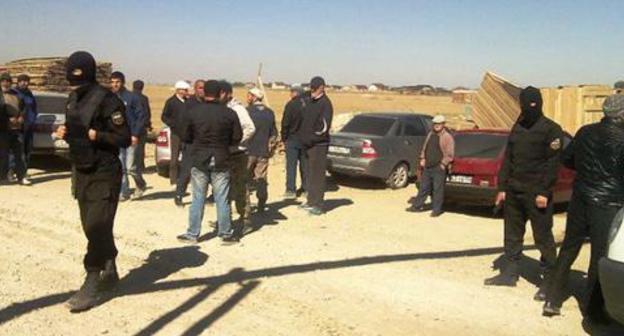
(412,139)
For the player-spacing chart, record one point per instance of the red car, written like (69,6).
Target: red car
(478,158)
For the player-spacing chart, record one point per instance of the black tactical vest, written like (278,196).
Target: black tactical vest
(79,119)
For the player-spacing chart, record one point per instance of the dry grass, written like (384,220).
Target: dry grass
(344,102)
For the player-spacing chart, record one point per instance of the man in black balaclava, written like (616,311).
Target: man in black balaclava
(525,184)
(96,127)
(597,155)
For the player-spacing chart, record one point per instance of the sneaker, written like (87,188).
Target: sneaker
(289,195)
(25,182)
(314,211)
(229,240)
(415,209)
(305,207)
(123,198)
(11,176)
(187,238)
(178,202)
(138,193)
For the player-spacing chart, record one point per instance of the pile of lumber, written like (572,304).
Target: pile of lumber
(496,105)
(48,73)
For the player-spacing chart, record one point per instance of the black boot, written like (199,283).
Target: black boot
(507,277)
(551,309)
(540,295)
(109,276)
(87,297)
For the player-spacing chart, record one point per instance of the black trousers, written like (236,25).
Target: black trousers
(431,183)
(520,207)
(4,155)
(584,219)
(98,196)
(174,163)
(315,182)
(16,147)
(184,170)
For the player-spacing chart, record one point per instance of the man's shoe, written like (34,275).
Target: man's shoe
(314,211)
(187,238)
(109,276)
(435,214)
(415,209)
(178,201)
(305,207)
(123,198)
(87,297)
(551,309)
(540,295)
(25,182)
(502,280)
(138,193)
(229,240)
(289,195)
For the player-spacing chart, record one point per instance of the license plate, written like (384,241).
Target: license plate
(339,150)
(462,179)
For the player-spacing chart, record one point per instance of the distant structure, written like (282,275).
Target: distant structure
(463,96)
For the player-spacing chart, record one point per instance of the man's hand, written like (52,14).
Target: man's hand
(422,162)
(541,202)
(60,132)
(92,134)
(135,140)
(500,198)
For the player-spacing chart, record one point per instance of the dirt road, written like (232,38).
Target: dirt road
(365,268)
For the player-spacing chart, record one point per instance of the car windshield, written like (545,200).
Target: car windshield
(51,104)
(369,125)
(479,146)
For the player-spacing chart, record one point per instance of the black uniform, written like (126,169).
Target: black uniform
(597,156)
(97,167)
(171,115)
(530,170)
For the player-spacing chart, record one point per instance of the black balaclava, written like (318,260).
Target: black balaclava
(530,106)
(81,68)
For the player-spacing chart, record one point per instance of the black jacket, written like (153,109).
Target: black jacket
(266,132)
(316,122)
(293,115)
(172,111)
(94,107)
(532,158)
(597,155)
(211,128)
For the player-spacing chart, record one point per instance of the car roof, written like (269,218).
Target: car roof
(396,115)
(50,94)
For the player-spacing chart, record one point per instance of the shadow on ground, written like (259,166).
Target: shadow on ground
(162,263)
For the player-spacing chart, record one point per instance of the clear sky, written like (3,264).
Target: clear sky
(446,43)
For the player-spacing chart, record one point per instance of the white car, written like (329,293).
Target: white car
(162,153)
(51,108)
(611,270)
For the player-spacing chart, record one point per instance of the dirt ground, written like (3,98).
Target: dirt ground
(365,268)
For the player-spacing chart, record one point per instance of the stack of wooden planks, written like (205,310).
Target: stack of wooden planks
(48,73)
(496,104)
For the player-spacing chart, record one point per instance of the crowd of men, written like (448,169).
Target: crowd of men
(218,142)
(17,121)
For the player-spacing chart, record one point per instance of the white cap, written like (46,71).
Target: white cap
(182,85)
(439,119)
(257,93)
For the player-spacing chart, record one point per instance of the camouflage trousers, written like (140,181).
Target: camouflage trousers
(239,184)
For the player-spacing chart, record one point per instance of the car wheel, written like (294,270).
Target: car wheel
(162,170)
(337,177)
(399,177)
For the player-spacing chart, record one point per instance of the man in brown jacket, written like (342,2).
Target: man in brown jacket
(435,158)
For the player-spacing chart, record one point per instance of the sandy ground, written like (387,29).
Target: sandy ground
(365,268)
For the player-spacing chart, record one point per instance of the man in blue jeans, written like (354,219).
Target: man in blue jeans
(136,121)
(295,152)
(211,129)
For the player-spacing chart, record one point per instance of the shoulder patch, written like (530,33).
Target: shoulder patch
(556,144)
(118,118)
